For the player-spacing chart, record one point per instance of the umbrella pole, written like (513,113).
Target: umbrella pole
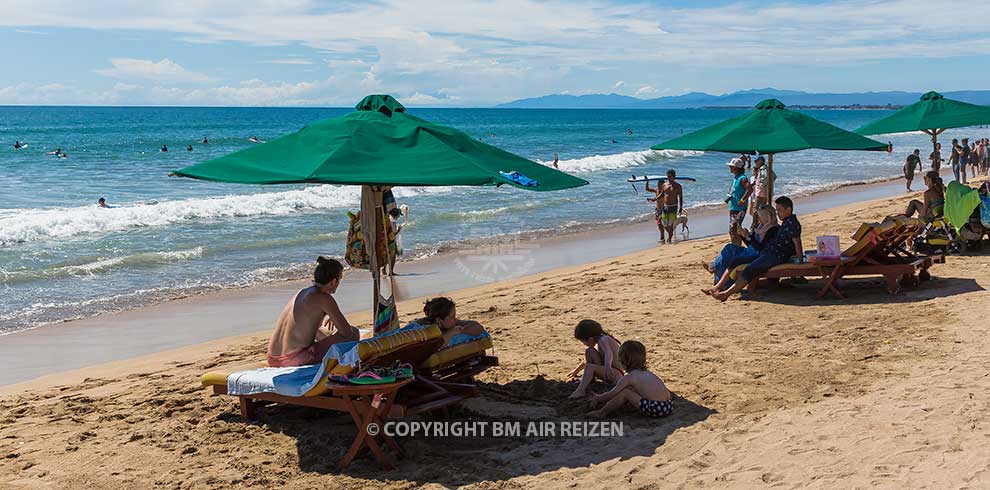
(770,177)
(369,201)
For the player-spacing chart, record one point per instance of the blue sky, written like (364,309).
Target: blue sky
(476,52)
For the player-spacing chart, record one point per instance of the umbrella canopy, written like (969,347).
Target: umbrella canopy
(380,144)
(932,113)
(771,128)
(377,147)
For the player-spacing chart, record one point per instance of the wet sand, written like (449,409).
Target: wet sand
(777,389)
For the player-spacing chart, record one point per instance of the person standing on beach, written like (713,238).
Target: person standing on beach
(954,159)
(761,186)
(936,157)
(673,204)
(975,157)
(913,160)
(298,339)
(658,200)
(963,160)
(737,199)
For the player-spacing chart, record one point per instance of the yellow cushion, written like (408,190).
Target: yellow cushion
(451,355)
(214,378)
(367,349)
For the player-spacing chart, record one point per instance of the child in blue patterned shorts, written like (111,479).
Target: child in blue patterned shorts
(639,388)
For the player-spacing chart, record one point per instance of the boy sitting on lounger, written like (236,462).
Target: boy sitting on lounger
(298,339)
(784,245)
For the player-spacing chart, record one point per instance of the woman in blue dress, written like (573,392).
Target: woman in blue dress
(733,255)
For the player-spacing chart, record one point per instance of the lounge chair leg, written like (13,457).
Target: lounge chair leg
(893,285)
(248,412)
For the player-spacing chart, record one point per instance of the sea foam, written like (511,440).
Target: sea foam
(31,225)
(614,161)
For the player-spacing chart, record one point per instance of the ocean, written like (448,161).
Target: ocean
(62,257)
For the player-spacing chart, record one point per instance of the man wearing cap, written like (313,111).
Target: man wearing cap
(738,198)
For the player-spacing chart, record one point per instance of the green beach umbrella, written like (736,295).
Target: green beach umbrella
(379,146)
(771,128)
(932,115)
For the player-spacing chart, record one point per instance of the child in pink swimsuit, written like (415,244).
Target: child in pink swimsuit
(600,358)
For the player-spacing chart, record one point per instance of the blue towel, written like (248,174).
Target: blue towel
(519,179)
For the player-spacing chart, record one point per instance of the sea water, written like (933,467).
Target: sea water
(62,257)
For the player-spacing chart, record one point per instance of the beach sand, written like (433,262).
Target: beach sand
(778,389)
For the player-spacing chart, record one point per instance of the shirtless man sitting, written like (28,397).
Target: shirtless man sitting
(298,339)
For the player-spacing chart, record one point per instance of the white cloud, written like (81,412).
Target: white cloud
(645,90)
(165,70)
(288,61)
(618,84)
(484,51)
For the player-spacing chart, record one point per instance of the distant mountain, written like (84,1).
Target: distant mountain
(566,101)
(742,98)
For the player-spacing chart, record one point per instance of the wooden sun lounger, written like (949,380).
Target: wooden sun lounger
(428,390)
(366,404)
(880,249)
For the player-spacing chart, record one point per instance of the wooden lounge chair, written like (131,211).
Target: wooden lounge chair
(880,249)
(425,392)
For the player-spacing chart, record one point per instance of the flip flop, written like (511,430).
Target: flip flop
(369,377)
(402,371)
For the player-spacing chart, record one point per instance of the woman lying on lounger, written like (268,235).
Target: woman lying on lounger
(442,312)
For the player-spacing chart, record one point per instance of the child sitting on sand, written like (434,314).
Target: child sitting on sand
(442,312)
(600,358)
(639,388)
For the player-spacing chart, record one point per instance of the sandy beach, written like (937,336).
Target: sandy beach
(777,389)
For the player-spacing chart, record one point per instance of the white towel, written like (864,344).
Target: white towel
(297,380)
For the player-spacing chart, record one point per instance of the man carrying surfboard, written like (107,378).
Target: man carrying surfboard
(670,202)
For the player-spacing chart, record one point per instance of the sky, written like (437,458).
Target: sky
(476,53)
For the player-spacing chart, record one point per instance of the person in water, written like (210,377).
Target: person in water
(188,147)
(299,338)
(18,145)
(934,198)
(163,149)
(102,203)
(205,141)
(556,160)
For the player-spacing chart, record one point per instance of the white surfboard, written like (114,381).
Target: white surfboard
(661,178)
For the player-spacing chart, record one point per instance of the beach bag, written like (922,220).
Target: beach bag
(828,247)
(356,253)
